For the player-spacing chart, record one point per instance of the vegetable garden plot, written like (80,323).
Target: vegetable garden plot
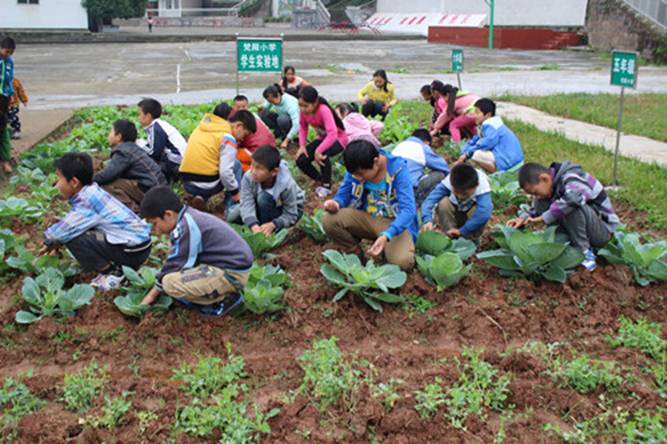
(489,358)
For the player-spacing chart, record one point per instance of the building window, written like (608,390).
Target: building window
(28,2)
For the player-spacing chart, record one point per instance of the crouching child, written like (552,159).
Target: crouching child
(270,198)
(208,264)
(567,196)
(462,203)
(375,202)
(100,232)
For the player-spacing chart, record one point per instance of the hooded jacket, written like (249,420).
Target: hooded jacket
(496,137)
(357,127)
(202,155)
(128,161)
(419,155)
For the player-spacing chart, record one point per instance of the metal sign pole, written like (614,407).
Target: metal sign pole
(237,63)
(618,135)
(458,79)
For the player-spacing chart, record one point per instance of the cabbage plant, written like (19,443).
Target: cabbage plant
(443,271)
(648,261)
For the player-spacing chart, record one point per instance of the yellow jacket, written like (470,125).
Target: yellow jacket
(202,155)
(372,93)
(19,94)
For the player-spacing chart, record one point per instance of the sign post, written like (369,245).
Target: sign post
(624,72)
(258,54)
(457,64)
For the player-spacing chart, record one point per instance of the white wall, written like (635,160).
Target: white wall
(49,14)
(507,12)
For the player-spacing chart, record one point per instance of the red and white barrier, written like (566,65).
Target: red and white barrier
(419,23)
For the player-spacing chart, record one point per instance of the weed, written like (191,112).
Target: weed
(83,387)
(387,391)
(430,399)
(642,335)
(113,412)
(16,401)
(418,304)
(209,375)
(145,418)
(585,375)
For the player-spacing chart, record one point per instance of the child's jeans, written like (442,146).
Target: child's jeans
(204,284)
(5,136)
(266,210)
(127,191)
(374,108)
(349,226)
(14,121)
(448,217)
(280,124)
(207,193)
(94,253)
(466,121)
(306,163)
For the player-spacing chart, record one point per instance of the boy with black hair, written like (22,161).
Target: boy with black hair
(463,201)
(165,145)
(567,196)
(495,148)
(270,198)
(130,172)
(7,48)
(99,231)
(209,165)
(208,264)
(417,152)
(259,136)
(376,202)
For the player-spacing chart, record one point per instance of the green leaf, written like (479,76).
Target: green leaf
(80,295)
(31,292)
(25,317)
(374,305)
(389,298)
(502,259)
(464,248)
(129,307)
(392,277)
(657,270)
(556,274)
(432,243)
(51,279)
(132,275)
(340,294)
(570,259)
(545,252)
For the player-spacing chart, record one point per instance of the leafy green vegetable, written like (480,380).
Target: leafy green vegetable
(46,297)
(433,243)
(648,261)
(505,189)
(26,261)
(140,283)
(15,207)
(443,271)
(372,282)
(261,244)
(264,293)
(312,226)
(532,255)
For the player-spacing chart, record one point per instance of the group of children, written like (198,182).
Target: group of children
(385,197)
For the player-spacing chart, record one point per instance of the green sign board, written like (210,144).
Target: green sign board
(259,54)
(624,68)
(457,60)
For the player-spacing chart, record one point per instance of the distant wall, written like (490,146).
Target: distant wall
(49,14)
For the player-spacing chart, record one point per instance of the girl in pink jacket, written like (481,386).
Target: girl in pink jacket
(358,127)
(459,112)
(331,138)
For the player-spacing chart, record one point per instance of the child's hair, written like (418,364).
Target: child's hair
(267,156)
(448,91)
(422,134)
(287,69)
(8,43)
(437,85)
(359,155)
(79,165)
(345,108)
(310,95)
(529,174)
(223,110)
(464,177)
(240,98)
(272,91)
(486,106)
(426,89)
(126,129)
(246,118)
(152,107)
(158,200)
(382,74)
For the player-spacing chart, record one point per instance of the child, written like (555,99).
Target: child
(252,140)
(458,111)
(357,126)
(567,196)
(378,96)
(100,232)
(210,162)
(130,172)
(166,146)
(7,48)
(439,104)
(496,148)
(375,201)
(19,97)
(291,83)
(270,198)
(208,264)
(417,152)
(285,120)
(332,140)
(463,202)
(427,95)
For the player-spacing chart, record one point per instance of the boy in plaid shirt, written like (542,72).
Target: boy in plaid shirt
(99,231)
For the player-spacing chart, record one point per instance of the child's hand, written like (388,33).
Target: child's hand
(320,158)
(364,100)
(284,144)
(268,228)
(49,250)
(331,206)
(454,233)
(428,226)
(150,297)
(302,151)
(461,159)
(535,220)
(378,246)
(236,197)
(255,229)
(516,223)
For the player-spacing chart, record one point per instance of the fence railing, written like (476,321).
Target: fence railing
(654,10)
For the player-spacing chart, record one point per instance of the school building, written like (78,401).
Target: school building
(43,14)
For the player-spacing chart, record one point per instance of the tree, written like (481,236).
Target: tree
(100,11)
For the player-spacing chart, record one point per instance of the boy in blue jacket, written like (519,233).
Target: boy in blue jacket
(496,148)
(417,152)
(463,203)
(7,47)
(375,202)
(208,264)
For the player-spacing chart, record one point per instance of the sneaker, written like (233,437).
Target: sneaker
(108,281)
(322,192)
(229,303)
(589,262)
(16,135)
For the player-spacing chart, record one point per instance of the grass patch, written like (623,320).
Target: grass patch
(642,115)
(643,185)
